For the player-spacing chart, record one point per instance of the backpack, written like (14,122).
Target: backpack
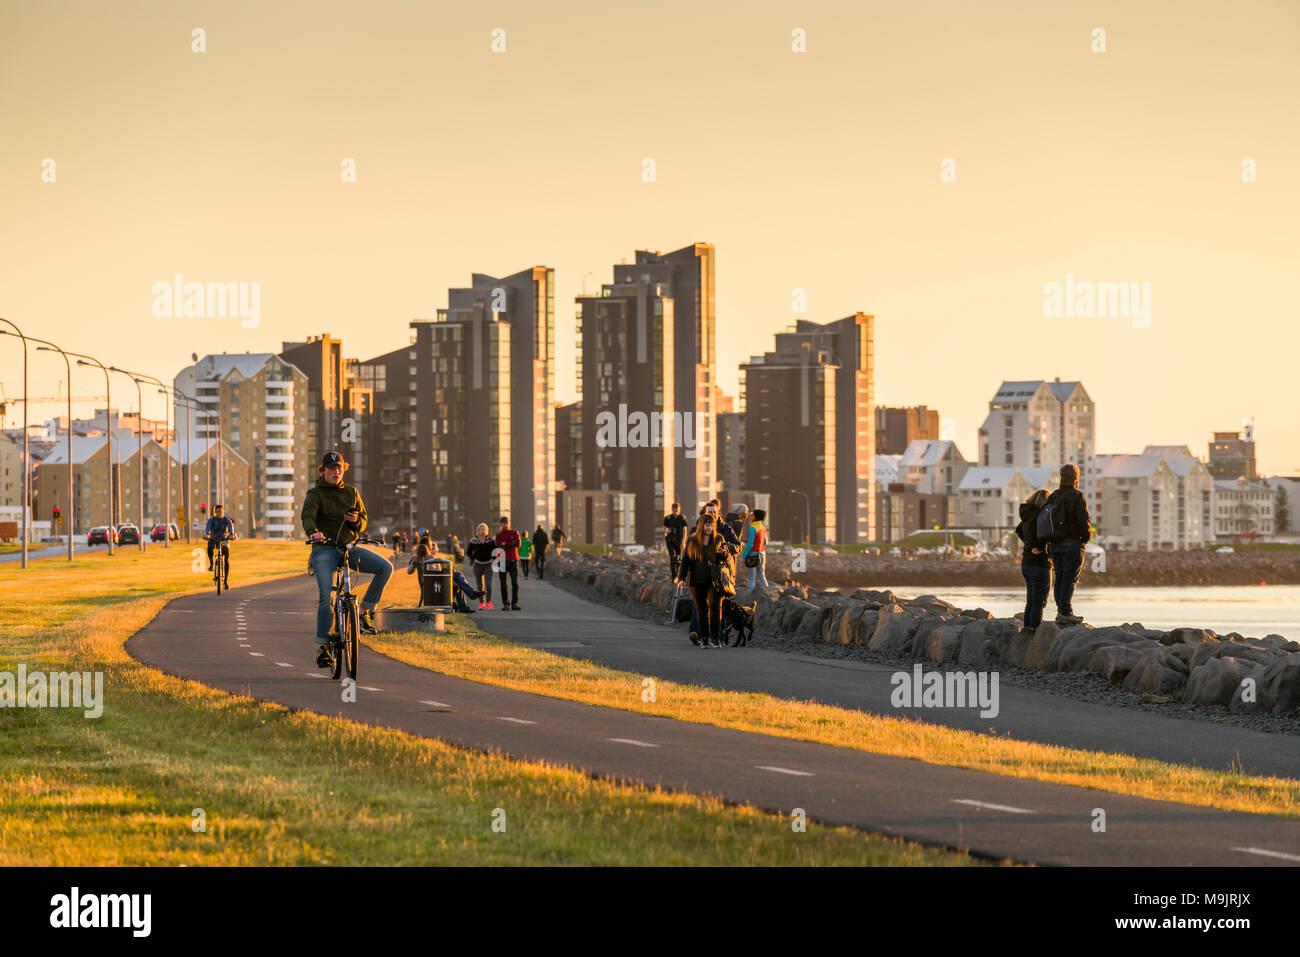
(1050,524)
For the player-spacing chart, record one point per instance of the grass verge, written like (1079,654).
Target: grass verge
(279,787)
(465,651)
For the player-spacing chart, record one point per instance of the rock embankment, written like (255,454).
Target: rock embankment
(1120,569)
(1193,665)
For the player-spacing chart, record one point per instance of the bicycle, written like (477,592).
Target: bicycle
(219,565)
(343,643)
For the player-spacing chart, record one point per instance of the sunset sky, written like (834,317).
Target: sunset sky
(817,170)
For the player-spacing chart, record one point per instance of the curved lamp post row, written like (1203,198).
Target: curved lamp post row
(139,379)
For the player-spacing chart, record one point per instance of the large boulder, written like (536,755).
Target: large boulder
(984,641)
(866,626)
(932,603)
(810,625)
(1074,649)
(1216,680)
(1278,685)
(1156,673)
(844,626)
(792,611)
(1041,643)
(1231,649)
(1114,662)
(939,642)
(895,629)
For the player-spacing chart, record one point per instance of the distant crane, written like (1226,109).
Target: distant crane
(5,401)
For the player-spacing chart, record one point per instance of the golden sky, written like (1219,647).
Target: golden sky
(816,170)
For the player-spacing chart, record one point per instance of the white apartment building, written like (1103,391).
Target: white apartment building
(258,403)
(933,466)
(1242,506)
(1041,424)
(991,496)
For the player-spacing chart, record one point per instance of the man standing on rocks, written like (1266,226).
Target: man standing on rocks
(1069,533)
(674,538)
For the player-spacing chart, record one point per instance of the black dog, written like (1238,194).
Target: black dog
(738,618)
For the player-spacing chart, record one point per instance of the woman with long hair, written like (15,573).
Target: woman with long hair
(1035,562)
(705,548)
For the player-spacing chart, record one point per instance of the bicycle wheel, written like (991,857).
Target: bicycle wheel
(217,569)
(336,643)
(350,641)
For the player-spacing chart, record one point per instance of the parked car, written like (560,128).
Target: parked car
(99,535)
(159,532)
(128,534)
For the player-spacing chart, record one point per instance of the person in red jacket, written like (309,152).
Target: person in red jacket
(508,542)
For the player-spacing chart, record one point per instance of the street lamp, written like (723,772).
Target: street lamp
(27,498)
(139,435)
(167,467)
(189,461)
(807,504)
(83,360)
(72,507)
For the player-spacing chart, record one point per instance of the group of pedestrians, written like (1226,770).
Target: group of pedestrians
(1054,529)
(509,552)
(706,561)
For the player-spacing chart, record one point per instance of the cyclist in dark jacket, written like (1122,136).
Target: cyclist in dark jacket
(1035,563)
(1067,553)
(333,512)
(218,531)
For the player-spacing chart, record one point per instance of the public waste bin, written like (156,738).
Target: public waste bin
(435,583)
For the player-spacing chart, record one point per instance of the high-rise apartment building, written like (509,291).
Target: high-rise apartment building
(846,345)
(730,442)
(258,403)
(630,432)
(568,445)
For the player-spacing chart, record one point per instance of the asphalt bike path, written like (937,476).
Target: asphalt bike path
(559,621)
(258,641)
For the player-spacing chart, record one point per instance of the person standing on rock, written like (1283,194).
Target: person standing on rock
(1035,563)
(674,538)
(540,543)
(1065,519)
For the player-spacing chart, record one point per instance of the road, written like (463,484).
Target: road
(257,641)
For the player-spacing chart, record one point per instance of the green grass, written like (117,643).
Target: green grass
(283,787)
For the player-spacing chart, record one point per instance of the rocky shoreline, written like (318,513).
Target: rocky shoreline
(1189,673)
(1121,569)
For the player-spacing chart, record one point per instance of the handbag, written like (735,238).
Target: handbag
(722,575)
(753,559)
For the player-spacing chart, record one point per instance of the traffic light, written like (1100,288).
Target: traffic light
(203,508)
(58,516)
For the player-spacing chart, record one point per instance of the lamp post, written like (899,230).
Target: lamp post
(807,513)
(167,467)
(27,498)
(189,461)
(139,435)
(72,506)
(83,360)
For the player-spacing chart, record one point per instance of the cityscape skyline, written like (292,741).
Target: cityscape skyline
(803,177)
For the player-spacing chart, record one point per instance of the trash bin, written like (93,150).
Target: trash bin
(435,583)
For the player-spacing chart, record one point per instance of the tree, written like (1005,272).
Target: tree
(1281,510)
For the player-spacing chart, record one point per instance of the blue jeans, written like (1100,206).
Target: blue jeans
(324,559)
(757,572)
(1067,559)
(1038,582)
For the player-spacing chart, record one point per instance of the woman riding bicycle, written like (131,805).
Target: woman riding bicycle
(333,512)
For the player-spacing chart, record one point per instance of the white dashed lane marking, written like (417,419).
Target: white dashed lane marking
(993,807)
(257,654)
(516,720)
(436,704)
(368,688)
(633,741)
(1265,852)
(284,664)
(769,767)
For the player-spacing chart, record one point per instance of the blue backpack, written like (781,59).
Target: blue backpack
(1050,525)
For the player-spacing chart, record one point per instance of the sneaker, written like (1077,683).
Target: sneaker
(514,606)
(368,622)
(713,642)
(323,659)
(489,607)
(695,638)
(482,605)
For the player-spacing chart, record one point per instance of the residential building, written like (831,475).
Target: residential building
(1242,507)
(568,445)
(989,496)
(1137,503)
(394,476)
(258,404)
(687,277)
(11,471)
(730,442)
(933,466)
(1289,487)
(597,517)
(901,510)
(1041,424)
(1194,494)
(897,428)
(90,469)
(631,433)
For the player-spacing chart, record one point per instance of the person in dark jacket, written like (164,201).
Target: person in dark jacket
(332,512)
(480,550)
(508,541)
(540,543)
(674,538)
(712,507)
(1035,563)
(704,548)
(1067,552)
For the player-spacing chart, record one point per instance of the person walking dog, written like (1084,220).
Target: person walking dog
(708,570)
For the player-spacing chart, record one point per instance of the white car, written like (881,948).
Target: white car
(1226,550)
(633,549)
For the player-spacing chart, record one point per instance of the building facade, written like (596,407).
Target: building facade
(1041,424)
(897,428)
